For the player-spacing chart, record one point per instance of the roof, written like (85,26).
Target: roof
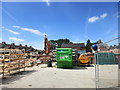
(116,51)
(13,46)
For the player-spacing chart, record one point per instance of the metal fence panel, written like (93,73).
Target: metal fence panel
(106,58)
(106,70)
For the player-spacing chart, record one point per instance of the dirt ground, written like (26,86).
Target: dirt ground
(79,77)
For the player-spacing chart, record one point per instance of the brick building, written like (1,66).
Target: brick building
(77,46)
(103,48)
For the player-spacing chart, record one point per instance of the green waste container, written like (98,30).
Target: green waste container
(64,58)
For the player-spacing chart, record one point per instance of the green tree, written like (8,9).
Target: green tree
(59,42)
(63,41)
(88,46)
(52,44)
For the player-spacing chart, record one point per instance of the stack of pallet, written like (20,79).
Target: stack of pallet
(74,57)
(45,58)
(53,56)
(11,61)
(30,62)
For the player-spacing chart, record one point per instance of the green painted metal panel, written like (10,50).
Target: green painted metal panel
(105,58)
(64,57)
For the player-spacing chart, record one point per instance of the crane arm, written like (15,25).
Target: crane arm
(112,40)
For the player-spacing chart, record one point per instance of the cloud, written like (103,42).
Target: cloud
(103,15)
(16,39)
(95,18)
(13,32)
(44,34)
(10,30)
(16,26)
(47,2)
(30,30)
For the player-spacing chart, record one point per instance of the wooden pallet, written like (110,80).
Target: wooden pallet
(12,62)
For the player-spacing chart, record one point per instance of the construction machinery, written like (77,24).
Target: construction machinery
(46,55)
(46,45)
(83,60)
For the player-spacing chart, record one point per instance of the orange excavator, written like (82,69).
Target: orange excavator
(45,56)
(46,45)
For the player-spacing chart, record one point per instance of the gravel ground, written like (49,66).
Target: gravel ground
(80,77)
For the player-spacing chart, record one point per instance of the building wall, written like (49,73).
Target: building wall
(78,48)
(103,48)
(116,51)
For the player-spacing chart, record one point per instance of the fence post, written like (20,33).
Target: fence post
(119,72)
